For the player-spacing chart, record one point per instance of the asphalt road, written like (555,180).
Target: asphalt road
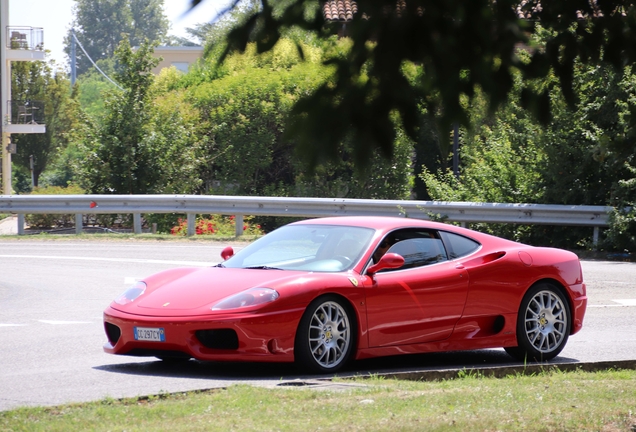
(52,294)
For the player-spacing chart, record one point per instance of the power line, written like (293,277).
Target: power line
(89,57)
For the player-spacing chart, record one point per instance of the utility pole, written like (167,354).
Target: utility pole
(1,122)
(4,137)
(32,167)
(73,58)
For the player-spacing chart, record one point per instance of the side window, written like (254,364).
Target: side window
(418,248)
(458,246)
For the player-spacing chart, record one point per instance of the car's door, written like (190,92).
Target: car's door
(420,302)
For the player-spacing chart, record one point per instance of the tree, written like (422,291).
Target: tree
(584,156)
(461,45)
(37,82)
(99,25)
(244,105)
(119,162)
(146,140)
(93,85)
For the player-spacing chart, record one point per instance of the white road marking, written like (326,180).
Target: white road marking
(610,282)
(130,260)
(605,306)
(53,322)
(626,302)
(64,322)
(621,303)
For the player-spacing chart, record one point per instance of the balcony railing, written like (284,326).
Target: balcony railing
(25,38)
(25,112)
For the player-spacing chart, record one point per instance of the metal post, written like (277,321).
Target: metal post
(5,97)
(3,22)
(4,153)
(32,167)
(6,165)
(192,218)
(238,220)
(595,237)
(73,58)
(79,223)
(137,223)
(20,223)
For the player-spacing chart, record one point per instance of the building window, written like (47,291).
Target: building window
(182,66)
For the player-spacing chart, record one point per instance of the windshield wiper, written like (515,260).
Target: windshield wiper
(219,265)
(262,267)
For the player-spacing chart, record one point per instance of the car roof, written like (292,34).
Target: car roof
(376,222)
(385,224)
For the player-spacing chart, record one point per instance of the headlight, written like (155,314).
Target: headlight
(250,297)
(131,293)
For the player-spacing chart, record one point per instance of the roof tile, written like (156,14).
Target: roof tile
(344,10)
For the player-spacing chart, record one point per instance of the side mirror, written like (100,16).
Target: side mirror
(227,253)
(388,261)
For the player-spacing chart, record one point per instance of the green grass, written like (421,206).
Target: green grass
(551,401)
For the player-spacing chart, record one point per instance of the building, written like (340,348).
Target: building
(181,57)
(17,43)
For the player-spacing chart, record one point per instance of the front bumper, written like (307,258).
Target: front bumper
(260,337)
(579,306)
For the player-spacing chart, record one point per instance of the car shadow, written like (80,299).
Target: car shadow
(231,371)
(196,369)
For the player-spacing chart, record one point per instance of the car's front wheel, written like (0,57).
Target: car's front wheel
(325,337)
(543,324)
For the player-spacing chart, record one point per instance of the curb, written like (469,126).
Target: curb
(501,372)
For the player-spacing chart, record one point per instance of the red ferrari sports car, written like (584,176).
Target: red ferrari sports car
(322,292)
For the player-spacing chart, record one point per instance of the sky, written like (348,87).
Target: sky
(55,17)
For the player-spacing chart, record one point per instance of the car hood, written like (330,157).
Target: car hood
(191,291)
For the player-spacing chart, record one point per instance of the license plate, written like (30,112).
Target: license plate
(150,334)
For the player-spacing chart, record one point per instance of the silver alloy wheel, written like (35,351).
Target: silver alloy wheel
(545,321)
(329,334)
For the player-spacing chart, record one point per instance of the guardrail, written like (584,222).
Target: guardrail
(191,205)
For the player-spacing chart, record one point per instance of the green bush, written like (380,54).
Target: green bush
(53,220)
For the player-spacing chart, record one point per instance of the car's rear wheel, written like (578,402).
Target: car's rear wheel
(543,324)
(325,337)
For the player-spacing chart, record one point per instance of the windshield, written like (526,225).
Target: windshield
(321,248)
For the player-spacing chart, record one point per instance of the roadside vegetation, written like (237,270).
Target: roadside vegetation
(224,128)
(550,401)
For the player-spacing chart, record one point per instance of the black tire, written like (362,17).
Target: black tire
(543,324)
(326,335)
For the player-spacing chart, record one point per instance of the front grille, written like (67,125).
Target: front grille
(225,339)
(112,332)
